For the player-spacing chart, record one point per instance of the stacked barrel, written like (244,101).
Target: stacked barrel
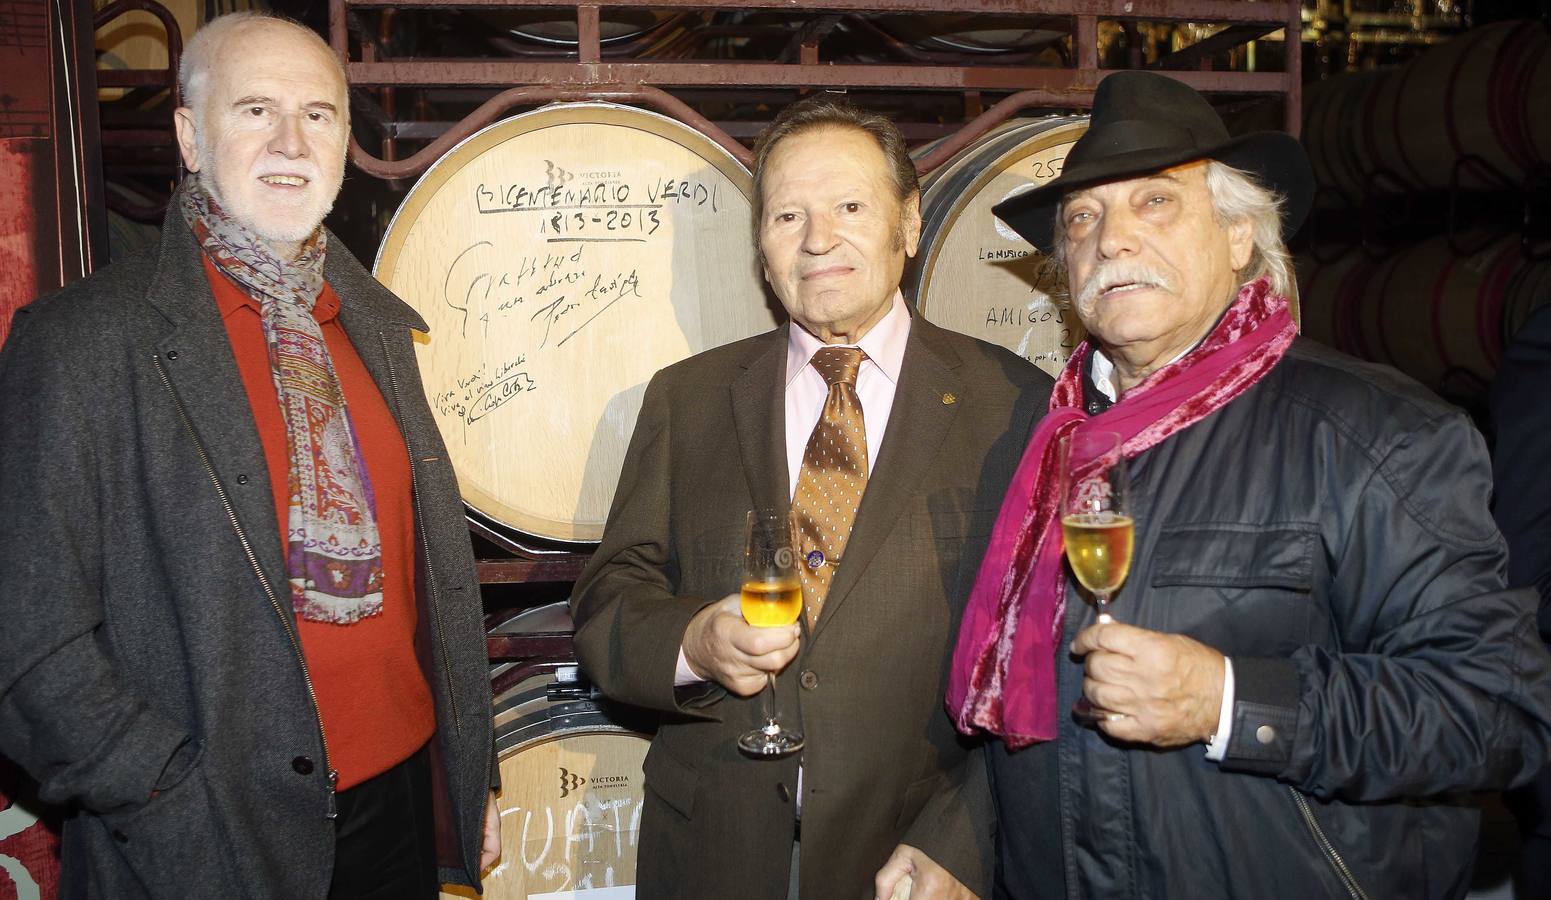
(974,274)
(1461,127)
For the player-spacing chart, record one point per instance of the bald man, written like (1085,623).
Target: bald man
(242,638)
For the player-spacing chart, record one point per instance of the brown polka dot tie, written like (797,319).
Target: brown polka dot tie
(833,476)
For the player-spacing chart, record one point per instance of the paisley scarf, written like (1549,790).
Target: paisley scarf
(333,553)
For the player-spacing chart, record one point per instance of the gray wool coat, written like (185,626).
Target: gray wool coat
(147,642)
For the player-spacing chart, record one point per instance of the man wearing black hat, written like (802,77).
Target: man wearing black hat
(1315,656)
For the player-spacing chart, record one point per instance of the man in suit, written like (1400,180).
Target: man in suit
(926,426)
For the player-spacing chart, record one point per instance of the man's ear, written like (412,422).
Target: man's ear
(911,224)
(188,137)
(1241,243)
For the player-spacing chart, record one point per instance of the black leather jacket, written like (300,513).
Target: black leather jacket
(1328,531)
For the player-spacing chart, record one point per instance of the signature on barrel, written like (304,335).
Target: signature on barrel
(591,846)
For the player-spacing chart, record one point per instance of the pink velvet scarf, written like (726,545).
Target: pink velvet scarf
(1004,667)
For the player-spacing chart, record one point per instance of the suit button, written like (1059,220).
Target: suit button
(242,479)
(785,792)
(302,765)
(1093,407)
(808,679)
(120,836)
(172,354)
(1265,734)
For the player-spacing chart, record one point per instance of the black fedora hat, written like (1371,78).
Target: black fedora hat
(1143,122)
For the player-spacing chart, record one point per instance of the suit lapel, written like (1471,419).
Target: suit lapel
(918,422)
(759,418)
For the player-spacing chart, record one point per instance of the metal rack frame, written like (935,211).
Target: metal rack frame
(642,82)
(526,81)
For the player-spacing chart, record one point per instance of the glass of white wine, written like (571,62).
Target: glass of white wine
(771,598)
(1097,528)
(1096,524)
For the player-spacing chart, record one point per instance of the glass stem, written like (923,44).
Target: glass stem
(1101,600)
(769,702)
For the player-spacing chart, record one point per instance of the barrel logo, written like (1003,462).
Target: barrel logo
(569,781)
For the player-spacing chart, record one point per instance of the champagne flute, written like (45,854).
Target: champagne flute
(1097,529)
(771,598)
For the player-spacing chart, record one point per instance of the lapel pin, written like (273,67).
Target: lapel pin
(815,559)
(949,399)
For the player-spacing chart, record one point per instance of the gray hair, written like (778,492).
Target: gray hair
(199,54)
(1236,195)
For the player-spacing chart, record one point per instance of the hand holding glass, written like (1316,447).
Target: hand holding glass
(771,598)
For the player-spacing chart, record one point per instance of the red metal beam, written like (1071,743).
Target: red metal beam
(518,571)
(169,23)
(588,35)
(339,29)
(1292,44)
(1154,10)
(972,130)
(491,73)
(134,78)
(1086,44)
(497,106)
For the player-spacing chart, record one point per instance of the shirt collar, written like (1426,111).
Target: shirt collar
(1101,370)
(884,343)
(231,297)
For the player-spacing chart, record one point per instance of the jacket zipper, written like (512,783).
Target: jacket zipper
(425,543)
(247,549)
(1349,881)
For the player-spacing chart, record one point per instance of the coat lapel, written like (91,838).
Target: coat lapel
(196,356)
(920,418)
(759,418)
(369,312)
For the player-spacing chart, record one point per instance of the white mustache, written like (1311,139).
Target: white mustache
(1116,272)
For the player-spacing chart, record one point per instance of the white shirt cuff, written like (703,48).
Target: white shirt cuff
(1218,747)
(684,674)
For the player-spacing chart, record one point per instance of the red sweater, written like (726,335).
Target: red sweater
(372,694)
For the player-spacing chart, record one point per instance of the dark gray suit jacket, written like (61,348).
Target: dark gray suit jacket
(883,764)
(143,645)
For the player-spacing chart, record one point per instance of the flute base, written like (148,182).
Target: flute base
(770,742)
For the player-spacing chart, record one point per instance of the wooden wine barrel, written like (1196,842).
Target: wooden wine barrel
(1334,111)
(1481,94)
(1437,316)
(1329,293)
(561,257)
(136,39)
(972,273)
(571,781)
(556,27)
(966,33)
